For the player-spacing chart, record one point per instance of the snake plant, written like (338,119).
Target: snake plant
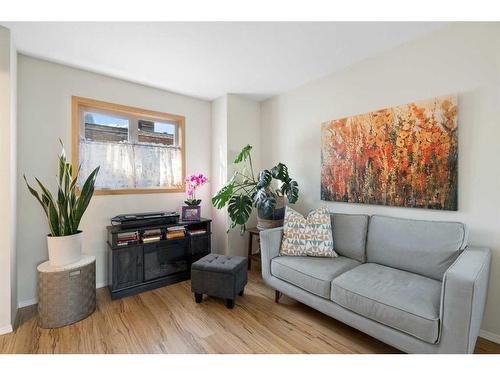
(65,212)
(244,190)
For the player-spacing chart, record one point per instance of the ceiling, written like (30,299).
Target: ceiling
(207,60)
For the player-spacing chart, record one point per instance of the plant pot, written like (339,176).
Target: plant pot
(274,218)
(191,213)
(65,249)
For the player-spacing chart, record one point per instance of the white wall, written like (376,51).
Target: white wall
(13,182)
(462,59)
(7,177)
(235,123)
(243,119)
(218,174)
(44,116)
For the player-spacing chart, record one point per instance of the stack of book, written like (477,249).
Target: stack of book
(126,238)
(151,235)
(194,232)
(176,232)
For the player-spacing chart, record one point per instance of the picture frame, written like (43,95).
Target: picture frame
(191,213)
(403,156)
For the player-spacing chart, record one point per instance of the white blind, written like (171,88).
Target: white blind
(126,165)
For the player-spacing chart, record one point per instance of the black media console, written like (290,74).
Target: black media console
(136,266)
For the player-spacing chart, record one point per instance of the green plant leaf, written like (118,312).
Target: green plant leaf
(243,155)
(65,213)
(62,167)
(265,179)
(62,205)
(72,186)
(291,190)
(84,199)
(260,196)
(193,202)
(280,172)
(36,195)
(239,209)
(220,199)
(264,200)
(45,191)
(53,217)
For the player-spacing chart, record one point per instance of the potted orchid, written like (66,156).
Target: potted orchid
(192,210)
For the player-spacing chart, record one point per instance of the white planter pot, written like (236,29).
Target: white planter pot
(65,250)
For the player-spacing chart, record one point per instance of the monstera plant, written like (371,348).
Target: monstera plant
(64,211)
(266,192)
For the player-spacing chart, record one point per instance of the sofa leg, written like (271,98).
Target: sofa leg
(277,296)
(198,297)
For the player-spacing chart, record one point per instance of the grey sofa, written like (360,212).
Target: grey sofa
(412,284)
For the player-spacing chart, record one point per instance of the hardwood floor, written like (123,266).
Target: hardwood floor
(167,320)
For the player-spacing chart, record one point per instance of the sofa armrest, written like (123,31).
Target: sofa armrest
(270,242)
(465,285)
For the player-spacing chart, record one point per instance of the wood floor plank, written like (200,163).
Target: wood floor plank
(167,320)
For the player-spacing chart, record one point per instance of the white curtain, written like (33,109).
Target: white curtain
(125,165)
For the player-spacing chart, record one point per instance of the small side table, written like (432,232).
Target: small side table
(66,294)
(251,233)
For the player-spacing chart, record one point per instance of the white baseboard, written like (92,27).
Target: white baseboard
(34,301)
(27,302)
(6,329)
(489,336)
(101,285)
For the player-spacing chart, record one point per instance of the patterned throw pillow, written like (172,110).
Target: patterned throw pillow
(311,236)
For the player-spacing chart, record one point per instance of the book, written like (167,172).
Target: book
(176,228)
(132,238)
(178,234)
(152,232)
(127,235)
(151,239)
(194,232)
(126,238)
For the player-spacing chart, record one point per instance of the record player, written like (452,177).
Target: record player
(146,219)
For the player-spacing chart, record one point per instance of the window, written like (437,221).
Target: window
(138,151)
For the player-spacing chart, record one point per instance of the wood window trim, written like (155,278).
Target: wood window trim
(78,102)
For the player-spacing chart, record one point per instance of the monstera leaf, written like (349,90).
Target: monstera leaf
(243,155)
(239,209)
(264,199)
(280,172)
(265,179)
(244,191)
(291,190)
(220,199)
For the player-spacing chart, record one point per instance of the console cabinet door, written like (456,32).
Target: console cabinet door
(128,267)
(199,246)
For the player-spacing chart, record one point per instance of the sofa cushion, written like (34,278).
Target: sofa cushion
(424,247)
(349,235)
(312,274)
(398,299)
(307,236)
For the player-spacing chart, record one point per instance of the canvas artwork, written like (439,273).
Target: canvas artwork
(401,156)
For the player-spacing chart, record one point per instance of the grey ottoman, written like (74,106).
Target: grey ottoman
(219,276)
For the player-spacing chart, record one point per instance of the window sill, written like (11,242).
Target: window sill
(138,191)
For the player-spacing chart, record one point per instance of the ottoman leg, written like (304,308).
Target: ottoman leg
(198,297)
(230,303)
(242,291)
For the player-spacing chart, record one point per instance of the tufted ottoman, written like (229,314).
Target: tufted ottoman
(219,276)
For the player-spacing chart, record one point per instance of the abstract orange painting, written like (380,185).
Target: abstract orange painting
(400,156)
